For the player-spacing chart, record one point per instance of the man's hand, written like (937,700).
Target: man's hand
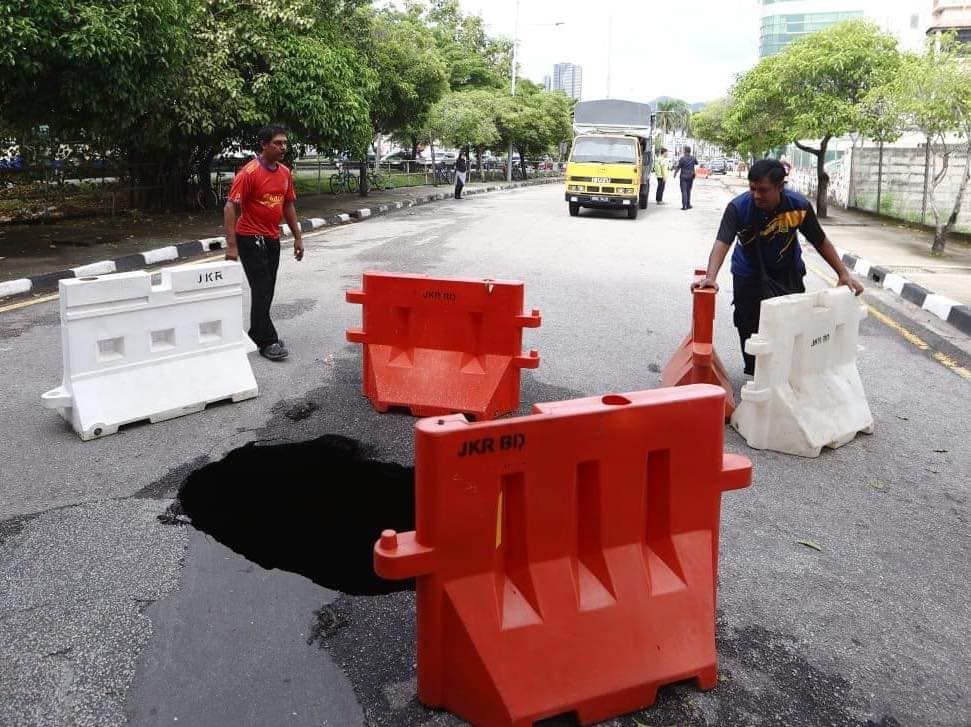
(850,282)
(232,252)
(298,248)
(705,283)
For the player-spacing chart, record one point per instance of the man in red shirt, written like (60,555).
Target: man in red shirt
(262,194)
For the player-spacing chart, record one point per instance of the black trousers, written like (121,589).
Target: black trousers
(660,190)
(260,257)
(459,186)
(686,184)
(748,305)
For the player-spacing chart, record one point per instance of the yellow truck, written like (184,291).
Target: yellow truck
(611,158)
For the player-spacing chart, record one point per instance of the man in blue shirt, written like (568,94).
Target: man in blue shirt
(685,168)
(767,261)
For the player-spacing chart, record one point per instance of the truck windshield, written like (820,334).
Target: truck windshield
(604,151)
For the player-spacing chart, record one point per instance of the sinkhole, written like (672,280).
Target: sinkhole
(315,508)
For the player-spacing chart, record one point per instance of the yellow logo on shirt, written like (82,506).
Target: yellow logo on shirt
(270,200)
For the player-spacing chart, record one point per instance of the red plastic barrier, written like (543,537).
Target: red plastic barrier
(566,560)
(703,172)
(439,346)
(696,361)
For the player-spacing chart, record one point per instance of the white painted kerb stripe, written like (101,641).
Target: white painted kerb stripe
(939,305)
(160,255)
(894,282)
(862,267)
(105,267)
(15,287)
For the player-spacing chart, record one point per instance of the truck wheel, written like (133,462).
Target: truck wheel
(574,209)
(632,212)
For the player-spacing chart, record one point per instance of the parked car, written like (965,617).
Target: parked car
(718,166)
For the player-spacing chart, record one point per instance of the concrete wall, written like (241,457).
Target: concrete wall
(902,188)
(903,184)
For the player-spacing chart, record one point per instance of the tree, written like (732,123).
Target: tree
(712,124)
(411,74)
(673,116)
(932,93)
(533,120)
(813,89)
(466,118)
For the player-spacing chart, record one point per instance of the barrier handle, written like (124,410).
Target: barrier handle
(527,362)
(399,555)
(59,398)
(736,472)
(533,320)
(356,335)
(702,354)
(354,296)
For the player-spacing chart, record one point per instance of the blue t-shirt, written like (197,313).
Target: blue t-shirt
(774,232)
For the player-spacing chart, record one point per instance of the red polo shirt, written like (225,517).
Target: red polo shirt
(261,193)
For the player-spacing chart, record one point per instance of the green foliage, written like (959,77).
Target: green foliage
(712,124)
(411,74)
(534,120)
(466,118)
(673,116)
(814,88)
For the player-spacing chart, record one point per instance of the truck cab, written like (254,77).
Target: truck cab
(611,157)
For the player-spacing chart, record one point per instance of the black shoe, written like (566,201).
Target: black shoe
(690,207)
(275,351)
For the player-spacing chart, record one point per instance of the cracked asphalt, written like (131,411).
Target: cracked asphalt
(115,610)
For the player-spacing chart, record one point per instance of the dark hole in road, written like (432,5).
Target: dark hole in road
(315,508)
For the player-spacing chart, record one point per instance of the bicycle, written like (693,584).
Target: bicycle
(443,175)
(376,180)
(216,195)
(343,181)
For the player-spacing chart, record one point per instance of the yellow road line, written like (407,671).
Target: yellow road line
(27,303)
(912,338)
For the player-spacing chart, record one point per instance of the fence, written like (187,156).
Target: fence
(894,181)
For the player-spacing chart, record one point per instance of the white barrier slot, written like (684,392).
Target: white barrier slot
(806,393)
(134,351)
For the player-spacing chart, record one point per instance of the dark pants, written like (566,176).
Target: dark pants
(660,190)
(748,305)
(459,186)
(686,184)
(260,257)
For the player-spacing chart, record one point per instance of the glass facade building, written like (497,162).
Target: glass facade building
(778,30)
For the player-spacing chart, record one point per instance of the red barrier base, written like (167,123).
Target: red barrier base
(698,363)
(443,382)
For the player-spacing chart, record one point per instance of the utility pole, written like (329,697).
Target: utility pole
(512,90)
(610,34)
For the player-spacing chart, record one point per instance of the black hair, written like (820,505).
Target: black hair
(265,135)
(664,150)
(687,150)
(767,168)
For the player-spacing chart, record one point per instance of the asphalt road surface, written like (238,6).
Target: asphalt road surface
(115,610)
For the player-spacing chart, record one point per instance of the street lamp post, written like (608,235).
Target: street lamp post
(512,90)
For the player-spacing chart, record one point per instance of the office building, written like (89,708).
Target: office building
(951,16)
(568,78)
(783,21)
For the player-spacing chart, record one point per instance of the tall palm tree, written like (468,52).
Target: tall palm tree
(673,116)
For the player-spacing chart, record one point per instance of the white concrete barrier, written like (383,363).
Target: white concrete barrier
(806,393)
(135,351)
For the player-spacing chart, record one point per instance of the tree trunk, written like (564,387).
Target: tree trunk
(414,148)
(478,162)
(362,189)
(940,241)
(431,146)
(822,178)
(522,162)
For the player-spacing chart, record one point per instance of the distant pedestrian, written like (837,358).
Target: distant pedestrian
(686,169)
(661,173)
(767,261)
(262,194)
(461,168)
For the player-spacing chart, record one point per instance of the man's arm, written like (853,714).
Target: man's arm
(844,277)
(718,252)
(290,215)
(229,222)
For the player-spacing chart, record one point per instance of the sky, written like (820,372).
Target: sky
(689,49)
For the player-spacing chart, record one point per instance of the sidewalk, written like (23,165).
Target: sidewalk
(894,247)
(38,249)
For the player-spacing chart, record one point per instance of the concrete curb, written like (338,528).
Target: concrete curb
(948,310)
(48,282)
